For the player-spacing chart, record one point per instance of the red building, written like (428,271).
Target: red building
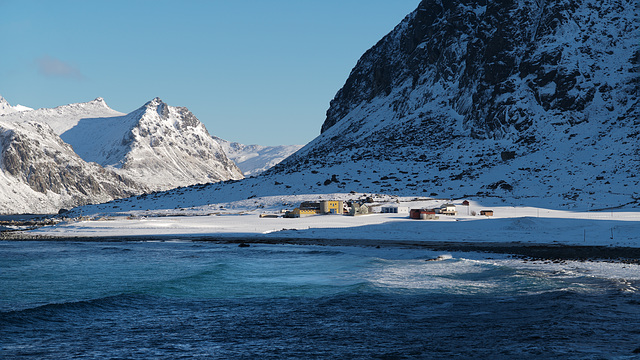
(417,213)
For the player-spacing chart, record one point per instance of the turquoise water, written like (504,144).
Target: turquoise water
(203,300)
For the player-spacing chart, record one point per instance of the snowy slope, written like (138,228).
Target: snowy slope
(255,159)
(523,100)
(63,118)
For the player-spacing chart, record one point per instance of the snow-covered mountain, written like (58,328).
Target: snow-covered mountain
(255,159)
(159,145)
(50,151)
(520,102)
(518,98)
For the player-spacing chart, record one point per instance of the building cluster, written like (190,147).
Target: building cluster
(430,213)
(340,207)
(328,207)
(433,213)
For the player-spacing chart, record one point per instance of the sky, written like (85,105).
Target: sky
(253,71)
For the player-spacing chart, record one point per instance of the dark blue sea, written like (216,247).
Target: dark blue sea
(186,300)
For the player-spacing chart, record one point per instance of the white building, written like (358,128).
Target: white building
(394,209)
(448,209)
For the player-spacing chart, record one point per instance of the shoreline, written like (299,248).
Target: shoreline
(525,251)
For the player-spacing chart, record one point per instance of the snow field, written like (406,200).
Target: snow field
(242,219)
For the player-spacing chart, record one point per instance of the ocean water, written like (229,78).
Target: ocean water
(173,300)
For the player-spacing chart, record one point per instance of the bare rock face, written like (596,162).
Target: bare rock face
(457,84)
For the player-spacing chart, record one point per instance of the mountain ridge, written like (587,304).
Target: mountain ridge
(156,143)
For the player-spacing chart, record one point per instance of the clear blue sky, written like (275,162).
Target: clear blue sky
(253,71)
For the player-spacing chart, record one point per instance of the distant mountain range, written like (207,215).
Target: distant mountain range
(88,153)
(255,159)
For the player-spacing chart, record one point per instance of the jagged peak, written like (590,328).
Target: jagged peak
(99,101)
(155,102)
(157,105)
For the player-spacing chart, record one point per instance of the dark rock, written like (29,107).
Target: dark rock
(508,155)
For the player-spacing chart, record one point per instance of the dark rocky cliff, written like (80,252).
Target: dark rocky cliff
(488,54)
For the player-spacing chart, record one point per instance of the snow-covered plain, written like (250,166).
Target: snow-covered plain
(241,220)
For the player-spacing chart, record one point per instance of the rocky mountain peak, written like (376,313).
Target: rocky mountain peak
(4,105)
(100,101)
(157,110)
(154,103)
(86,152)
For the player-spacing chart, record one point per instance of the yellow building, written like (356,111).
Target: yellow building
(332,207)
(297,212)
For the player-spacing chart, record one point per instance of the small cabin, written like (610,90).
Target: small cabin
(465,203)
(486,212)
